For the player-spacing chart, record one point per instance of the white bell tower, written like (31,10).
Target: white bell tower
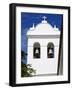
(43,48)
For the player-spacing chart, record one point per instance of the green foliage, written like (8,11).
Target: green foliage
(26,69)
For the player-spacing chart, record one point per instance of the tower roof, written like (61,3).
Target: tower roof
(43,28)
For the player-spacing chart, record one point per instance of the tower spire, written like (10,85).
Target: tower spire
(44,17)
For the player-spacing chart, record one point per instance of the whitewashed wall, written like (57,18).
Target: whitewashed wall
(43,65)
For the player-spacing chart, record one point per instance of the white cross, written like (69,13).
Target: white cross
(44,17)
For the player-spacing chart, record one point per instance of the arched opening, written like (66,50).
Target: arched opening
(36,50)
(50,50)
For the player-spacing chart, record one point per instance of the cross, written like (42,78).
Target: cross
(44,17)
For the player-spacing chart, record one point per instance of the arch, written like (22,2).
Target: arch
(36,50)
(50,50)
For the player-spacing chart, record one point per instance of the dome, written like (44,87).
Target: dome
(43,28)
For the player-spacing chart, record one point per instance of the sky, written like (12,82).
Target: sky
(27,21)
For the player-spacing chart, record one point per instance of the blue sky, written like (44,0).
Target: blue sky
(27,20)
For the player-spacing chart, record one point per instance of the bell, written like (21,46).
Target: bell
(50,51)
(36,51)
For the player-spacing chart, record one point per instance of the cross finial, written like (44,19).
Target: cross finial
(33,25)
(44,17)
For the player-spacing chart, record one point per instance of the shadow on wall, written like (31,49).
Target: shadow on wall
(61,61)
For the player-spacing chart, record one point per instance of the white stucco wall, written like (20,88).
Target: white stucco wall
(43,65)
